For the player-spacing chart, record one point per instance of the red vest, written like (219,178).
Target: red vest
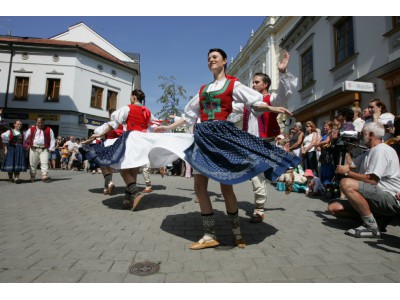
(115,133)
(138,118)
(216,105)
(267,124)
(46,132)
(12,142)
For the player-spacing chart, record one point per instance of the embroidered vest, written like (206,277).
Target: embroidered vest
(113,134)
(138,118)
(267,124)
(46,132)
(216,105)
(16,139)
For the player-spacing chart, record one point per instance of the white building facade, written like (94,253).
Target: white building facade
(72,84)
(324,53)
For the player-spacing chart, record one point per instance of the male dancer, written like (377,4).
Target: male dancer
(40,140)
(266,125)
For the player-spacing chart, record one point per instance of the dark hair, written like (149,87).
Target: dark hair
(265,78)
(220,51)
(139,95)
(382,106)
(347,113)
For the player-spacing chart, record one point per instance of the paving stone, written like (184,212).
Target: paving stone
(18,275)
(103,277)
(54,264)
(102,265)
(60,276)
(84,236)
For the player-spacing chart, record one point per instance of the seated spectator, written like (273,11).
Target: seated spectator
(370,184)
(281,142)
(314,186)
(294,180)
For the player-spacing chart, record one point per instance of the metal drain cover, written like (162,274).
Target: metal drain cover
(144,268)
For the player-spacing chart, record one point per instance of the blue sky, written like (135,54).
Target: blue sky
(168,46)
(169,42)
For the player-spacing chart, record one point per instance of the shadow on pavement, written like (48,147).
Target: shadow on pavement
(148,201)
(121,189)
(338,223)
(189,226)
(249,208)
(388,243)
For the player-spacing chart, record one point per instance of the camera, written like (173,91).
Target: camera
(349,135)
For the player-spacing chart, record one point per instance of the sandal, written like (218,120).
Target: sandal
(363,232)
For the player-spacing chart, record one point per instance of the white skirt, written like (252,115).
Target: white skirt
(158,149)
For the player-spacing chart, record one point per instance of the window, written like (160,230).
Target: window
(344,39)
(307,70)
(21,88)
(53,90)
(111,100)
(396,22)
(97,97)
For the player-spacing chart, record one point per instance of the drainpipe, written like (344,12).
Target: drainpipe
(9,74)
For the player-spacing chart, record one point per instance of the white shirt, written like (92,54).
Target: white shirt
(287,84)
(70,145)
(308,140)
(38,139)
(381,160)
(358,124)
(5,136)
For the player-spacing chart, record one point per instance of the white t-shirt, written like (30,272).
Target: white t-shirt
(381,160)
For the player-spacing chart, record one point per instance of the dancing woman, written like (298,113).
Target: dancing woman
(221,151)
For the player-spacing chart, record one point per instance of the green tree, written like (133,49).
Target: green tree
(173,96)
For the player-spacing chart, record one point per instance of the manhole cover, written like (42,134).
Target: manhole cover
(144,268)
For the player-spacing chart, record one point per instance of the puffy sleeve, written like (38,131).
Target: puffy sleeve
(245,96)
(119,117)
(5,137)
(287,85)
(192,111)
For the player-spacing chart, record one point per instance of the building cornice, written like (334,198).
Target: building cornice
(298,31)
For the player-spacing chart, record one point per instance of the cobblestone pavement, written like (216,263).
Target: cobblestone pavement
(68,231)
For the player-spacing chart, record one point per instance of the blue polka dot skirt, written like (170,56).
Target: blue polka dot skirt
(15,160)
(99,155)
(229,155)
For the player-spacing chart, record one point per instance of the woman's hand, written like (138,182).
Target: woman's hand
(160,129)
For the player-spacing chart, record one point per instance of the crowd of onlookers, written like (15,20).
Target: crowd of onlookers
(67,155)
(323,149)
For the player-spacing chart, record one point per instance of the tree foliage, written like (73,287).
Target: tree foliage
(173,96)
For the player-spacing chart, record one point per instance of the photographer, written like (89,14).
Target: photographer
(371,183)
